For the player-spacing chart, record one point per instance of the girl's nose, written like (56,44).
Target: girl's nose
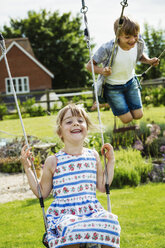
(75,123)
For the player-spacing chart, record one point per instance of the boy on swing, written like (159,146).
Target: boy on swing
(121,88)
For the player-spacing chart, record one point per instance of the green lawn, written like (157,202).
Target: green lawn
(44,127)
(141,213)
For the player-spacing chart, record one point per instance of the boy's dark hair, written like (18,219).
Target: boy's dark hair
(129,26)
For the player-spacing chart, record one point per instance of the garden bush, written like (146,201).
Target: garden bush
(3,110)
(11,167)
(28,108)
(154,96)
(130,168)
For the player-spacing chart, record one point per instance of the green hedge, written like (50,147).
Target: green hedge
(11,167)
(130,168)
(154,96)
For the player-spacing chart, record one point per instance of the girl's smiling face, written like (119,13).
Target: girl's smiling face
(73,128)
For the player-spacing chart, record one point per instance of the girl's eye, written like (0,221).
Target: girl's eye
(80,121)
(68,122)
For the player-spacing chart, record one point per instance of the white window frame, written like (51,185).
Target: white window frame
(23,81)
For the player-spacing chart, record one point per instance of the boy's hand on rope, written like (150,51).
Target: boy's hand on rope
(154,61)
(26,156)
(106,71)
(107,149)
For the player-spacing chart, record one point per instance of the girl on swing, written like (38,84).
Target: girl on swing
(121,89)
(76,218)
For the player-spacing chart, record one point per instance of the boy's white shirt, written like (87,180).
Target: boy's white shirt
(123,68)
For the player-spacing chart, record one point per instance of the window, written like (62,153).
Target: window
(21,85)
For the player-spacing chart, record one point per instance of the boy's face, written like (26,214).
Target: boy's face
(126,42)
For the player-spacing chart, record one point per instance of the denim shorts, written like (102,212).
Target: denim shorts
(123,98)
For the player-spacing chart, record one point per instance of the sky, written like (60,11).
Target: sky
(101,14)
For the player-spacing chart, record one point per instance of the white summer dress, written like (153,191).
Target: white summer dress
(76,216)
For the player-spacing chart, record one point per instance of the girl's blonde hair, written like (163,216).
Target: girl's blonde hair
(129,26)
(76,110)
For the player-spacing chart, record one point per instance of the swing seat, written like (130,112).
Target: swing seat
(45,241)
(125,129)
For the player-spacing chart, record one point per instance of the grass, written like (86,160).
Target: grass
(44,127)
(140,210)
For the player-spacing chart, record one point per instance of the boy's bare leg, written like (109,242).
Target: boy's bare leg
(126,118)
(137,113)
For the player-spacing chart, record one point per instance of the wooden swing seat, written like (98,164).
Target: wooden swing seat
(125,129)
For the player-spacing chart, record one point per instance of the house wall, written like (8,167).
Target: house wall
(21,65)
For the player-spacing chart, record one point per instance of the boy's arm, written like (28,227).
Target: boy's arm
(101,56)
(99,70)
(146,60)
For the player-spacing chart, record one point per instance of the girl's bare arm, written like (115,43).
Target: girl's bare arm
(46,178)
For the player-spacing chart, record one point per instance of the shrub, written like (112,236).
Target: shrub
(154,96)
(37,111)
(28,104)
(11,167)
(75,99)
(130,168)
(3,110)
(54,108)
(64,101)
(32,110)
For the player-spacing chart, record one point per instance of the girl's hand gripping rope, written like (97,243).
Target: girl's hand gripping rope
(108,152)
(107,149)
(26,156)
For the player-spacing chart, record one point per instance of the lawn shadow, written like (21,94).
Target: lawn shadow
(35,201)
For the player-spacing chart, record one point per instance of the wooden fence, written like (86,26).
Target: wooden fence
(47,95)
(154,82)
(70,93)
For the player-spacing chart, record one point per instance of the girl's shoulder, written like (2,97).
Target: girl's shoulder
(93,152)
(51,163)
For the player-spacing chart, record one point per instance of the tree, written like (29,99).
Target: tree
(155,43)
(58,42)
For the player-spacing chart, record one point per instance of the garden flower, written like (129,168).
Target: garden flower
(138,145)
(162,149)
(150,139)
(155,131)
(154,128)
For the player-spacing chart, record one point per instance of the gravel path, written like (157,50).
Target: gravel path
(14,187)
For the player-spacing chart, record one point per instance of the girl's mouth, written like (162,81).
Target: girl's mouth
(76,131)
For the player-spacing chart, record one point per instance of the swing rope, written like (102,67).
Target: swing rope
(124,4)
(143,75)
(84,10)
(3,48)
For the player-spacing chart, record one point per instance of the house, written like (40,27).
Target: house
(27,72)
